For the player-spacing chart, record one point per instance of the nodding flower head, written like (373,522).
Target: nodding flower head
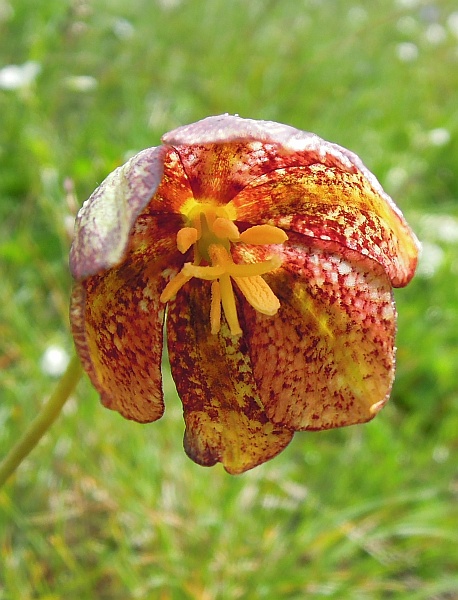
(273,254)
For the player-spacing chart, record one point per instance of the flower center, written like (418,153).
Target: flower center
(211,231)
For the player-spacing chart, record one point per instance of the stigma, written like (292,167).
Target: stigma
(211,233)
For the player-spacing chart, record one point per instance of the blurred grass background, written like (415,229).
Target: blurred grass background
(108,509)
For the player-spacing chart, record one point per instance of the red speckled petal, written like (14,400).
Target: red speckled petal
(174,189)
(222,154)
(327,358)
(225,421)
(273,173)
(117,322)
(333,205)
(104,222)
(152,182)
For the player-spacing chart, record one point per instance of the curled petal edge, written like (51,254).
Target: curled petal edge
(225,129)
(105,220)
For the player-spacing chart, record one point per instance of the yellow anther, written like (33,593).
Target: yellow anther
(186,237)
(258,294)
(223,228)
(263,234)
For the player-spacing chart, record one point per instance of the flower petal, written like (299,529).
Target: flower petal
(288,144)
(174,189)
(153,182)
(329,204)
(222,154)
(117,322)
(105,219)
(225,421)
(296,181)
(327,358)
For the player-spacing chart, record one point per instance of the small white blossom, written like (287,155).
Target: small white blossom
(81,83)
(54,361)
(452,23)
(439,136)
(407,52)
(123,29)
(435,34)
(431,258)
(407,3)
(15,77)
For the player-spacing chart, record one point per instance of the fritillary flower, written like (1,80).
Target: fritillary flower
(273,254)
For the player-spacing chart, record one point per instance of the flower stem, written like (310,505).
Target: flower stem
(42,422)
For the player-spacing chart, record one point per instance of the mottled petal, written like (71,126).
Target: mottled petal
(287,145)
(104,222)
(225,421)
(297,181)
(117,322)
(175,188)
(222,154)
(330,204)
(326,359)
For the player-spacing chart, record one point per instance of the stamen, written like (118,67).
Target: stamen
(173,286)
(263,234)
(251,269)
(228,302)
(186,237)
(258,294)
(208,273)
(223,228)
(219,255)
(215,308)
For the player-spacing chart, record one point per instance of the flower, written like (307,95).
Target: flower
(275,253)
(18,77)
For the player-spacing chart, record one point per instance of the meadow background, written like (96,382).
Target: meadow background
(109,509)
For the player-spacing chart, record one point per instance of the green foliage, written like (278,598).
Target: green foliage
(109,509)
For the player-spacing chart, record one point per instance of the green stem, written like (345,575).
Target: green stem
(42,422)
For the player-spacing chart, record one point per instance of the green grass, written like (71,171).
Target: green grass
(108,509)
